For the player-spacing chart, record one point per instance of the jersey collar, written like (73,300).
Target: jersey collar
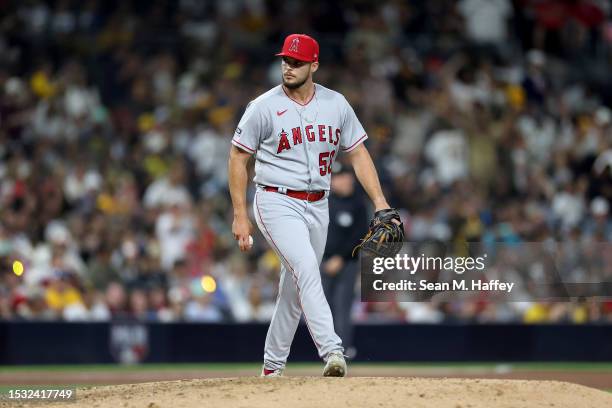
(299,103)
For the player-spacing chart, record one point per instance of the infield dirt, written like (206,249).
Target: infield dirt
(370,392)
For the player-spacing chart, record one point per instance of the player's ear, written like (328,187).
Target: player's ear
(314,66)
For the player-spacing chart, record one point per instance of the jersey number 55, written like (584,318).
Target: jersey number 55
(325,162)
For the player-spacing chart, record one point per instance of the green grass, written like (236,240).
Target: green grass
(5,388)
(129,368)
(530,366)
(522,366)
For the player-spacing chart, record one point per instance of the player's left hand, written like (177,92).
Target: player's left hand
(385,234)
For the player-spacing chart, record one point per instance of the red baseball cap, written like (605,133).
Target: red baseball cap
(301,47)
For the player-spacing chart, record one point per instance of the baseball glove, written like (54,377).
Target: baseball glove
(385,234)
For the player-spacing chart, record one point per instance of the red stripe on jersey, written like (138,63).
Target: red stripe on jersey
(237,143)
(351,147)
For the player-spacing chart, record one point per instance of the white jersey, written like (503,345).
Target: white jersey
(295,144)
(448,151)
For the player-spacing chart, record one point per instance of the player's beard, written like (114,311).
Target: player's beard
(294,85)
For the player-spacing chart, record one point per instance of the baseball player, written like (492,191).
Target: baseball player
(296,130)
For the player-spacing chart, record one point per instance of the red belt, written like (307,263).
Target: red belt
(300,195)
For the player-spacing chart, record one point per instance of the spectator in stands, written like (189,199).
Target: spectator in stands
(201,309)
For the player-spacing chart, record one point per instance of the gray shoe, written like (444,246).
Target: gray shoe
(335,365)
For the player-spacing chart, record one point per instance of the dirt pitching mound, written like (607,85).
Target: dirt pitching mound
(370,392)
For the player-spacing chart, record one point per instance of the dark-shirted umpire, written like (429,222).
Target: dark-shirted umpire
(348,222)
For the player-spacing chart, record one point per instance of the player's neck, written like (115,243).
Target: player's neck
(303,94)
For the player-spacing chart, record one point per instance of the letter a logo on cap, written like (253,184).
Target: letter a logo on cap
(294,45)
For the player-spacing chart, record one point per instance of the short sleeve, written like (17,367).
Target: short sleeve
(352,134)
(250,128)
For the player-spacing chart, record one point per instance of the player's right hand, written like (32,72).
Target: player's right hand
(241,228)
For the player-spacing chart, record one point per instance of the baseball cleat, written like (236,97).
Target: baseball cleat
(335,366)
(272,373)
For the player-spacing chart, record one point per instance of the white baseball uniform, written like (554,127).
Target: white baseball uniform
(295,145)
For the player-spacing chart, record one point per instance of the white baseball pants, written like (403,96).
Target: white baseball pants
(297,231)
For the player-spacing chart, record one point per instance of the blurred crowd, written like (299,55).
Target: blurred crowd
(489,120)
